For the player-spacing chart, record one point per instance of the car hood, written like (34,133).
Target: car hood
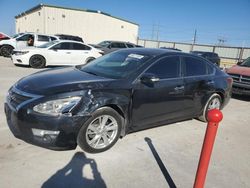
(239,70)
(60,80)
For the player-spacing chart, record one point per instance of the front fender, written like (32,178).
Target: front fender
(118,100)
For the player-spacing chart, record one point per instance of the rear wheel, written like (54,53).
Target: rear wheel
(6,50)
(214,102)
(101,131)
(37,61)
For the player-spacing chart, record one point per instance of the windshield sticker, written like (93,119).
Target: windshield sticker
(137,56)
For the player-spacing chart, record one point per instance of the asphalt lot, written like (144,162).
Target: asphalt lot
(132,161)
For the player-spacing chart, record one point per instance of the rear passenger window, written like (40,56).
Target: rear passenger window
(210,69)
(194,67)
(168,67)
(43,38)
(77,46)
(130,45)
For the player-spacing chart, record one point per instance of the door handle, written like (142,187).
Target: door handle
(210,82)
(178,88)
(155,79)
(68,52)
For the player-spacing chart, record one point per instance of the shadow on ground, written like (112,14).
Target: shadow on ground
(241,97)
(160,163)
(71,176)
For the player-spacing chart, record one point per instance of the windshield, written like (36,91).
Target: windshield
(116,65)
(16,35)
(104,43)
(246,63)
(48,44)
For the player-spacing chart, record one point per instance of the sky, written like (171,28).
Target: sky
(165,20)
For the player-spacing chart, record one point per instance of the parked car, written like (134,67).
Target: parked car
(22,41)
(4,36)
(69,37)
(211,56)
(59,52)
(241,77)
(110,46)
(121,92)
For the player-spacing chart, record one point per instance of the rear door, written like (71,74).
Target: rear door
(80,53)
(198,81)
(41,39)
(162,100)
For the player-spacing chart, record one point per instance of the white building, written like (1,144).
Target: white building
(93,26)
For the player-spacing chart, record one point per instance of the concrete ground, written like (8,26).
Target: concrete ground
(134,161)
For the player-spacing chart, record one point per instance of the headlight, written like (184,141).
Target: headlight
(56,107)
(20,52)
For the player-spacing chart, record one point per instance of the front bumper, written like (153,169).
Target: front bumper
(20,59)
(241,89)
(22,121)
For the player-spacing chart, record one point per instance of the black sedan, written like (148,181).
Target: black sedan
(128,90)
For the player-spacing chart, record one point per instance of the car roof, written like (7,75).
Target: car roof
(203,52)
(71,41)
(33,33)
(117,41)
(152,51)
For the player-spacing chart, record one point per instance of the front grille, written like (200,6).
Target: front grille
(15,99)
(240,78)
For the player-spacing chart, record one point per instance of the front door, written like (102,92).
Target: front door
(60,54)
(162,99)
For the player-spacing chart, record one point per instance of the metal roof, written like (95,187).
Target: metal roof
(38,7)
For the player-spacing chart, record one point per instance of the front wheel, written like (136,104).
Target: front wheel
(101,131)
(6,50)
(214,102)
(37,61)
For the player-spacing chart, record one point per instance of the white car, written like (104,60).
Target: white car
(58,52)
(22,40)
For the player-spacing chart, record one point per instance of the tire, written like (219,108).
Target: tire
(94,137)
(89,60)
(6,50)
(37,61)
(214,102)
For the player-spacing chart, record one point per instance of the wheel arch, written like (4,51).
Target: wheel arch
(38,55)
(89,59)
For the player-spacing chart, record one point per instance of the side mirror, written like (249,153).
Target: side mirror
(54,49)
(149,79)
(239,62)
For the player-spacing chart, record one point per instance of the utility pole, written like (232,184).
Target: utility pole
(157,32)
(153,32)
(194,40)
(221,41)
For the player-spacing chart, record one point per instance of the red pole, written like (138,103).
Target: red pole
(214,116)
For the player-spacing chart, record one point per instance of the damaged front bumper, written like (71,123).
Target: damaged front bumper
(57,133)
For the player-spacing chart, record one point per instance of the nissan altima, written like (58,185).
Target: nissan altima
(94,105)
(57,52)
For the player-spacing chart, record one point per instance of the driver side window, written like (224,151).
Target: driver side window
(24,37)
(168,67)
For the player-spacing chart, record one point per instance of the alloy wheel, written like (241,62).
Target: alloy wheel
(101,132)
